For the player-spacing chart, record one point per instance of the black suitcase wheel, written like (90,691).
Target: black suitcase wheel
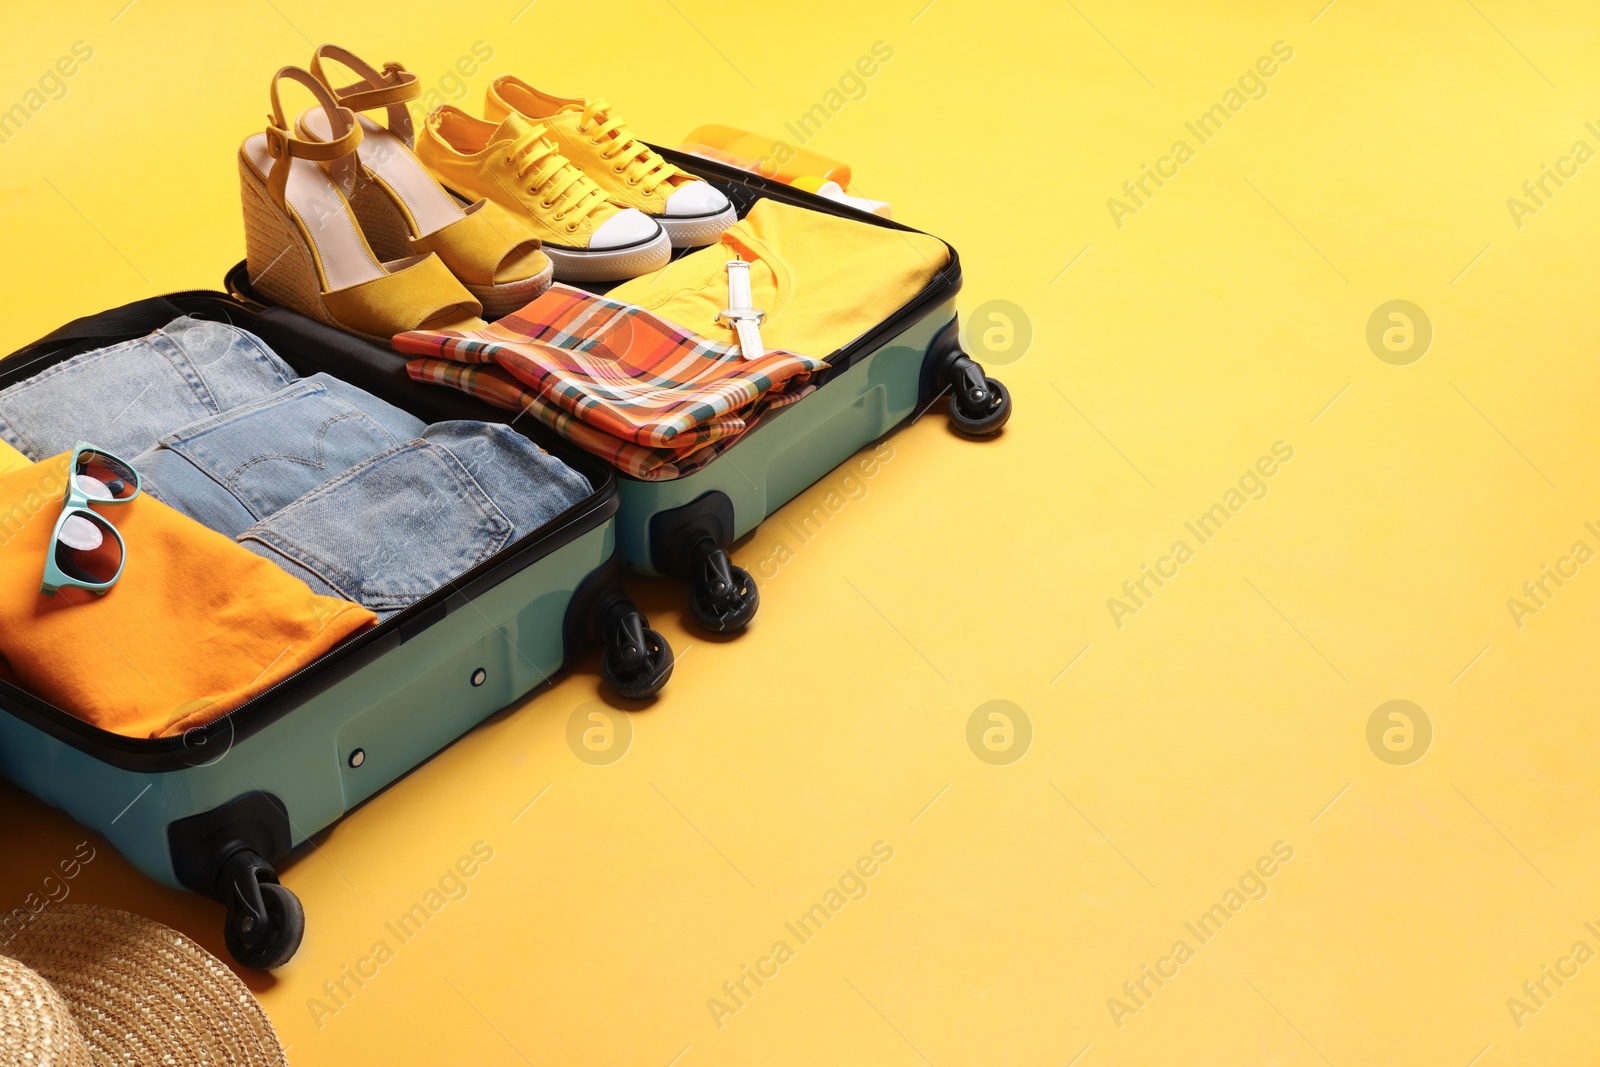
(724,597)
(636,661)
(979,405)
(265,921)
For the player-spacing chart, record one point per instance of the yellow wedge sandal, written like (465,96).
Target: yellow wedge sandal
(404,211)
(304,248)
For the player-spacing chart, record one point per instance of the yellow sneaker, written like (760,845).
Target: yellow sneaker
(517,165)
(632,173)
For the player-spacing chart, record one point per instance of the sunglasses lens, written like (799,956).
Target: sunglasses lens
(104,478)
(87,549)
(81,533)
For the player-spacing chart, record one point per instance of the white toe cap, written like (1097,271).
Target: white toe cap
(630,226)
(695,198)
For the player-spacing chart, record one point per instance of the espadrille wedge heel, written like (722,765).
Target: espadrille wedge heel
(404,211)
(305,249)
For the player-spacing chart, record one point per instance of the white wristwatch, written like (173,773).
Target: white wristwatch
(739,315)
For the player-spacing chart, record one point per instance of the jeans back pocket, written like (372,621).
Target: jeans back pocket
(126,396)
(232,365)
(391,530)
(267,454)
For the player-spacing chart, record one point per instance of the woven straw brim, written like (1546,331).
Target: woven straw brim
(36,1027)
(142,993)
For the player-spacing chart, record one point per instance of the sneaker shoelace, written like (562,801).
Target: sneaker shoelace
(629,157)
(561,184)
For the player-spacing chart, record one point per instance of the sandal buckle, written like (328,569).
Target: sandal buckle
(277,141)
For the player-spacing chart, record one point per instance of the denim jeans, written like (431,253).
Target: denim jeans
(354,496)
(125,397)
(401,524)
(232,469)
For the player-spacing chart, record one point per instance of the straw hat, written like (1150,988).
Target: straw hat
(83,986)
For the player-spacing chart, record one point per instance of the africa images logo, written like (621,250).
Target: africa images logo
(1252,85)
(852,885)
(1252,485)
(1252,885)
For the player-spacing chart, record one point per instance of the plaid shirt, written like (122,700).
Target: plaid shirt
(647,395)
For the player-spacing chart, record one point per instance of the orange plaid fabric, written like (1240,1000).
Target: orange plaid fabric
(652,398)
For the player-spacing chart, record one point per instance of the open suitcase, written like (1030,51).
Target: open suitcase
(683,528)
(214,809)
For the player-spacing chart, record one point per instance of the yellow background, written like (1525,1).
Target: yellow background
(1228,714)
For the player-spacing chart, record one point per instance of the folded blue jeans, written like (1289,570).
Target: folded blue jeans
(125,397)
(402,524)
(233,469)
(354,496)
(343,490)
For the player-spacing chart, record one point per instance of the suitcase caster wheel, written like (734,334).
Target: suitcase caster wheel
(724,597)
(979,405)
(636,661)
(265,921)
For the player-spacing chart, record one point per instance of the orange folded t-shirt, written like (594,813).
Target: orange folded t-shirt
(11,459)
(196,625)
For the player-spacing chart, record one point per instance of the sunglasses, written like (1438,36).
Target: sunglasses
(86,551)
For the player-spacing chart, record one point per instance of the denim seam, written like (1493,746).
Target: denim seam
(77,363)
(160,340)
(82,359)
(318,461)
(178,438)
(189,441)
(222,418)
(153,486)
(18,440)
(488,498)
(332,576)
(243,335)
(317,565)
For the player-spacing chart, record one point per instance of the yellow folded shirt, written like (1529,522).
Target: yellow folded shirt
(822,280)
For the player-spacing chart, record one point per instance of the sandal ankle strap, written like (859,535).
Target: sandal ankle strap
(390,88)
(283,146)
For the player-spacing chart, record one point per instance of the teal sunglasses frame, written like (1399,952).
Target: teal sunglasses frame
(76,502)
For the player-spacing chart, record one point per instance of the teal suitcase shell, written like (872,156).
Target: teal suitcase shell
(891,375)
(215,809)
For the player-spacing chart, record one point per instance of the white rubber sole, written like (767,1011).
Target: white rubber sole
(695,231)
(609,264)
